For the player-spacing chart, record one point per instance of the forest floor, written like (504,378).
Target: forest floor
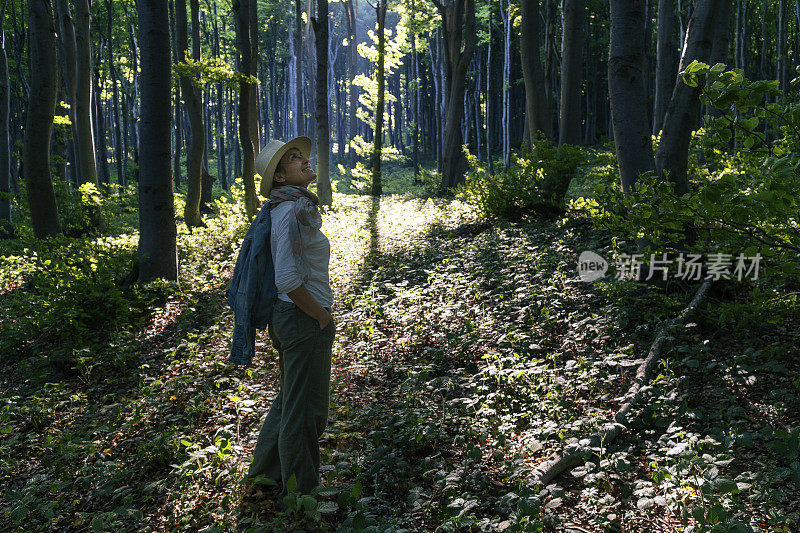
(466,353)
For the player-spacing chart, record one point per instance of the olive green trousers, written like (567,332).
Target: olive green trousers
(289,439)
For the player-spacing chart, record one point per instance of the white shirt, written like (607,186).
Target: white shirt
(318,253)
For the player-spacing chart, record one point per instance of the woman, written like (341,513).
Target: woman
(301,329)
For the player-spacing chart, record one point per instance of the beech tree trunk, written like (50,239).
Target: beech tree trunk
(681,115)
(665,61)
(323,126)
(176,108)
(87,167)
(489,116)
(158,253)
(254,123)
(298,49)
(223,179)
(115,94)
(241,8)
(100,128)
(780,51)
(39,123)
(6,225)
(377,185)
(626,90)
(571,63)
(458,27)
(194,109)
(69,71)
(505,124)
(550,67)
(536,105)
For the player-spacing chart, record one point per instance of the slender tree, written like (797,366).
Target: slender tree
(298,49)
(6,226)
(377,147)
(489,116)
(320,24)
(242,10)
(352,66)
(193,99)
(665,61)
(66,39)
(569,130)
(115,94)
(536,110)
(626,91)
(39,124)
(158,253)
(87,166)
(460,37)
(681,115)
(178,126)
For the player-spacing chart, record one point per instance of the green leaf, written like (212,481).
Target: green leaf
(726,485)
(328,507)
(291,485)
(355,492)
(750,123)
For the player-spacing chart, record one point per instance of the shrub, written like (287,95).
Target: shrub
(535,183)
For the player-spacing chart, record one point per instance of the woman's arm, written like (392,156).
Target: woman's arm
(310,306)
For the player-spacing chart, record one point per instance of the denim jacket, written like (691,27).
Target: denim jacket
(252,292)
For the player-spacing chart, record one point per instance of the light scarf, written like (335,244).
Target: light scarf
(305,212)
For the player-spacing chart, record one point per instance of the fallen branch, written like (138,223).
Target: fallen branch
(572,454)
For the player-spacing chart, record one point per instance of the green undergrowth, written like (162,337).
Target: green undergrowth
(466,353)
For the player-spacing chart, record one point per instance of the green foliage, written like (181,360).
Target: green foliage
(210,70)
(534,185)
(739,201)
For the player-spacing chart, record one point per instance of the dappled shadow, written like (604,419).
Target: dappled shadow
(482,311)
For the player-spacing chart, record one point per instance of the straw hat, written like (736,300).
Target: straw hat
(269,157)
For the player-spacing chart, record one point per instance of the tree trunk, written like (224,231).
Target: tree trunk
(6,226)
(223,179)
(459,44)
(489,116)
(571,63)
(100,128)
(377,185)
(780,48)
(536,110)
(665,61)
(69,69)
(254,122)
(135,107)
(241,7)
(352,65)
(176,108)
(298,49)
(118,135)
(416,98)
(194,109)
(323,127)
(505,15)
(762,69)
(39,124)
(549,65)
(83,98)
(158,254)
(681,115)
(626,91)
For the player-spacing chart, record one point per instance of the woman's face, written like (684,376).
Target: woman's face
(295,169)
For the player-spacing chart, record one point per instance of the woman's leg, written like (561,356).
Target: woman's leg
(266,460)
(305,391)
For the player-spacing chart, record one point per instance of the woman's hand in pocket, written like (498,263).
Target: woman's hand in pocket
(325,319)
